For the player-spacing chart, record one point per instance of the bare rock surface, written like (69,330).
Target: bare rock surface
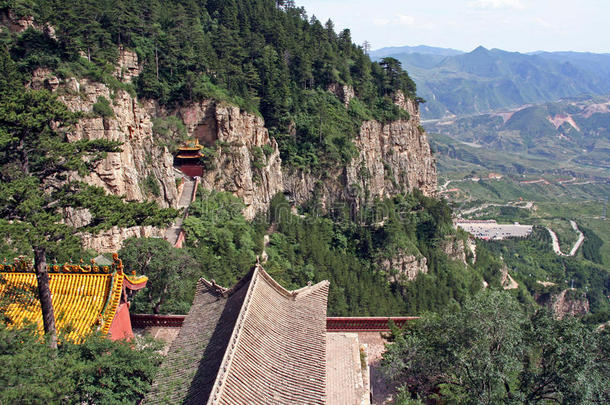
(564,303)
(141,163)
(112,239)
(393,158)
(404,267)
(455,249)
(342,92)
(246,160)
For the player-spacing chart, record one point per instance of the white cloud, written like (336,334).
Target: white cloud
(543,23)
(405,19)
(381,21)
(398,19)
(496,4)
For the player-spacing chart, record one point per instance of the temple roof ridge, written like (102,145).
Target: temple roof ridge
(218,394)
(254,343)
(294,294)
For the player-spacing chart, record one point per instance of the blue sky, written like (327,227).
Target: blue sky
(513,25)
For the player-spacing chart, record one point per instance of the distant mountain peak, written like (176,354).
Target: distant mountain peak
(494,79)
(480,49)
(421,49)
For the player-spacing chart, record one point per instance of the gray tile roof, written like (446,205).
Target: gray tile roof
(257,343)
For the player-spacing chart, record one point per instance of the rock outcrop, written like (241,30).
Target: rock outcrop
(455,249)
(564,303)
(246,162)
(112,239)
(128,66)
(393,158)
(18,24)
(342,92)
(404,267)
(506,281)
(142,171)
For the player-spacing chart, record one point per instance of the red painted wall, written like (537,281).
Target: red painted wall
(192,170)
(121,324)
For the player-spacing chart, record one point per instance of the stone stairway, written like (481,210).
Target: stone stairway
(187,193)
(186,197)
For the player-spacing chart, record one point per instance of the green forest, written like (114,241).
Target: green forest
(266,56)
(341,248)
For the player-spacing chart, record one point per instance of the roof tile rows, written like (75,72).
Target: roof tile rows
(254,344)
(81,302)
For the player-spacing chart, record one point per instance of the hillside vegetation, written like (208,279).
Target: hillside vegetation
(266,57)
(571,137)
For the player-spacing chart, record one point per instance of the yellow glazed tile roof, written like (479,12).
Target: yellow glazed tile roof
(82,302)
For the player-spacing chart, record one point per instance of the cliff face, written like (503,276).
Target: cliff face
(455,249)
(142,171)
(245,162)
(394,158)
(241,159)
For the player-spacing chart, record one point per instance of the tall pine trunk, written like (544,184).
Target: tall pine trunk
(44,294)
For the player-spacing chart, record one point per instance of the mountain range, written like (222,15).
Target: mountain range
(569,135)
(456,83)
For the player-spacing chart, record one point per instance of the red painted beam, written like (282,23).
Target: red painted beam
(141,321)
(333,324)
(365,324)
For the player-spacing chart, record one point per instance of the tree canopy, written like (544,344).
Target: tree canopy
(491,352)
(97,371)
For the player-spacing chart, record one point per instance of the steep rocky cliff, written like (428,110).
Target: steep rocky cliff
(393,158)
(241,157)
(142,171)
(245,161)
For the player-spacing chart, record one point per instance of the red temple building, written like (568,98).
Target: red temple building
(188,159)
(86,298)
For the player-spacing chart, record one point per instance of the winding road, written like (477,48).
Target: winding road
(581,239)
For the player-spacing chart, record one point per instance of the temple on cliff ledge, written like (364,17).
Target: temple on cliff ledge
(256,343)
(86,298)
(188,159)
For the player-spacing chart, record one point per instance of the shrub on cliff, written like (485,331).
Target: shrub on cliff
(103,108)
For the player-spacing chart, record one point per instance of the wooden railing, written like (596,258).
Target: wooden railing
(333,324)
(365,324)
